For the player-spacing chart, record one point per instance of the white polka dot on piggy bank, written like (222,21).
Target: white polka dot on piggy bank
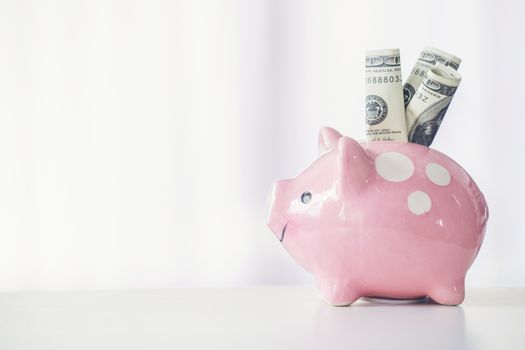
(394,166)
(437,174)
(394,220)
(419,202)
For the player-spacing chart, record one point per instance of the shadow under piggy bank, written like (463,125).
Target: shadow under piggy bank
(381,219)
(376,326)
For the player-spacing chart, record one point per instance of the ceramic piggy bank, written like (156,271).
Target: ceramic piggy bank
(381,219)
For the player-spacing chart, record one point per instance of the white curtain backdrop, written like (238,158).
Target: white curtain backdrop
(138,139)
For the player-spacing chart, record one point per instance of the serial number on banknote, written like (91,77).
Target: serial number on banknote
(420,72)
(422,97)
(384,80)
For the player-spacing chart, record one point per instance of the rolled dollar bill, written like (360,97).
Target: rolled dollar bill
(429,57)
(426,110)
(385,111)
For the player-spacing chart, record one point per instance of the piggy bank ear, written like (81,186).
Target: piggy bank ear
(328,138)
(353,165)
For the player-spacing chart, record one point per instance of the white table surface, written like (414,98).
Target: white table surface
(254,318)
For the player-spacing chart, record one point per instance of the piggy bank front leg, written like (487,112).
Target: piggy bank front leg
(338,292)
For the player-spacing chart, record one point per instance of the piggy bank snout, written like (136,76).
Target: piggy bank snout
(275,217)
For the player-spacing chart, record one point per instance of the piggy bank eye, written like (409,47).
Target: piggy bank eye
(306,197)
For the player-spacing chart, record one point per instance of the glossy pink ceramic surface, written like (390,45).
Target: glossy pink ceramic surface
(388,219)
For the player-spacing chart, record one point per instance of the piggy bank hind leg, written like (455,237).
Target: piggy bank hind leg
(451,292)
(338,293)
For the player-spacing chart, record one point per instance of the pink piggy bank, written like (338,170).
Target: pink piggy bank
(381,219)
